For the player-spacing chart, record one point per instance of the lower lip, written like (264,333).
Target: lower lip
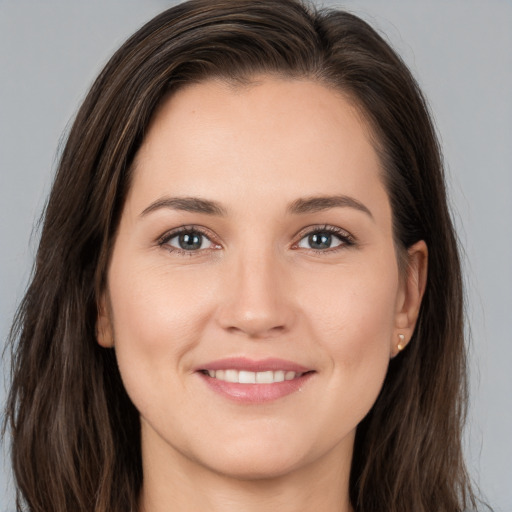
(256,393)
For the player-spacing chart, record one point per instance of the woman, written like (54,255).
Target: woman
(231,305)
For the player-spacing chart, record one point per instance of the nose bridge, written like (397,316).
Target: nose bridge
(256,302)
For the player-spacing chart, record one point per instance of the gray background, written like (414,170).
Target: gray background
(461,53)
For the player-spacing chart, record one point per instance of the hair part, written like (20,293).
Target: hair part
(76,434)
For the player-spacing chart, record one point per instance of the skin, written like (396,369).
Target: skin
(256,288)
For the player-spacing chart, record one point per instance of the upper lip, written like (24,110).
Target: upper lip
(251,365)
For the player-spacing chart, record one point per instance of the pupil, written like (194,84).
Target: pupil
(190,241)
(320,240)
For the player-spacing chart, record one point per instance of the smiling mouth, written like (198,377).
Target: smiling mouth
(248,377)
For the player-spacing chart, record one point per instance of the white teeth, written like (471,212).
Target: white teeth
(230,376)
(265,377)
(245,377)
(279,376)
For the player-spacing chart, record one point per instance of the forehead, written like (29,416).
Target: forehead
(290,135)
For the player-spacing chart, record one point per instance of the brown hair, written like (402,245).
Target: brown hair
(75,433)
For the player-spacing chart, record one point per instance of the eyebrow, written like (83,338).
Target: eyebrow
(321,203)
(186,204)
(297,207)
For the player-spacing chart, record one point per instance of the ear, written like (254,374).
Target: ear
(104,331)
(410,295)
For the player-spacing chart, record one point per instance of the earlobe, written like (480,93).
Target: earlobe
(411,295)
(104,332)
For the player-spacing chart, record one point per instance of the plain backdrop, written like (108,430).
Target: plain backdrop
(461,53)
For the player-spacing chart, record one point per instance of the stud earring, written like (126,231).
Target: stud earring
(401,345)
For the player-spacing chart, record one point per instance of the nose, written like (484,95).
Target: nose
(256,300)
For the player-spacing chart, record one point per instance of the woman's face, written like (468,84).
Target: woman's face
(256,245)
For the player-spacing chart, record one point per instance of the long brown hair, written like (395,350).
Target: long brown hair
(75,433)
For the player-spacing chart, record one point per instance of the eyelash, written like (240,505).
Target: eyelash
(346,239)
(163,241)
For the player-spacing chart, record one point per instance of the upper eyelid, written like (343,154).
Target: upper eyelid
(318,228)
(171,233)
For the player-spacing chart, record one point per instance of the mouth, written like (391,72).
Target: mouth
(252,382)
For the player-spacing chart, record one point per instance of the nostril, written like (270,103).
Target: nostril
(257,330)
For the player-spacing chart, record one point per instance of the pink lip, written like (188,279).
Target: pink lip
(254,393)
(263,365)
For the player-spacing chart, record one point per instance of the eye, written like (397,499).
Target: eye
(189,240)
(325,238)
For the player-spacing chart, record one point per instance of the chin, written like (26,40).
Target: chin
(260,458)
(256,468)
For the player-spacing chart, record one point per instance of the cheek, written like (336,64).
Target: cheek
(153,303)
(354,322)
(157,318)
(356,304)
